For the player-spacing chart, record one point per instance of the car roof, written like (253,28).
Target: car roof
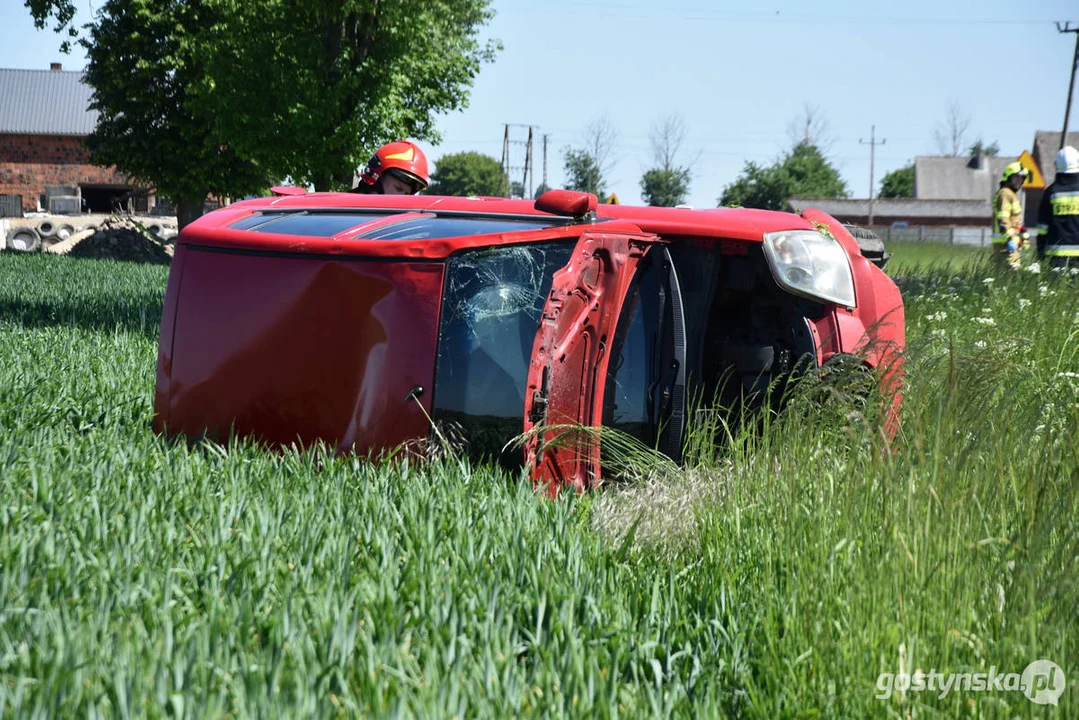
(729,223)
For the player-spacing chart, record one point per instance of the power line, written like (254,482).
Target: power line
(642,12)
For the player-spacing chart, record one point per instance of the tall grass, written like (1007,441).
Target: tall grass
(143,577)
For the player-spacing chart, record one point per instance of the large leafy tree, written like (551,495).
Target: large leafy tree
(467,173)
(898,183)
(802,172)
(215,96)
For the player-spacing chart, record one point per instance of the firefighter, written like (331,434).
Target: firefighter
(399,168)
(1058,215)
(1009,235)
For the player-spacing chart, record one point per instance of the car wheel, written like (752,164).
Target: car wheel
(870,244)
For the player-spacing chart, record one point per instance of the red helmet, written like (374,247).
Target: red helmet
(403,159)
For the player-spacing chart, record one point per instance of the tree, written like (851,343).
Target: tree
(810,127)
(898,183)
(588,166)
(467,173)
(666,184)
(540,190)
(802,172)
(61,12)
(665,188)
(979,146)
(213,96)
(951,132)
(583,173)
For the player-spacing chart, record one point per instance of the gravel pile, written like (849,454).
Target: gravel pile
(120,239)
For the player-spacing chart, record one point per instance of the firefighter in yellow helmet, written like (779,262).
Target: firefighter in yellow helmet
(1009,234)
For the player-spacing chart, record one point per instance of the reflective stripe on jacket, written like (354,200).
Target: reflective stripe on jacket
(1007,215)
(1059,215)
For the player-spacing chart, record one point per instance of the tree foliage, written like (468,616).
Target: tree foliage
(898,183)
(583,173)
(542,188)
(214,96)
(666,184)
(467,173)
(991,149)
(802,172)
(665,188)
(62,15)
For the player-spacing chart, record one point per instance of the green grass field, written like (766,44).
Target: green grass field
(778,576)
(911,256)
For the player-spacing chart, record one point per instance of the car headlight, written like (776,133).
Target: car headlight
(810,263)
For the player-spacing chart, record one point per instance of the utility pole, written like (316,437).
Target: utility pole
(502,189)
(873,142)
(545,161)
(1071,84)
(527,177)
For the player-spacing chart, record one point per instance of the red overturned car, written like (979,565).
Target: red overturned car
(354,318)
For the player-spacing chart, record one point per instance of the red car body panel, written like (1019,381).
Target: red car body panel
(569,359)
(295,338)
(294,350)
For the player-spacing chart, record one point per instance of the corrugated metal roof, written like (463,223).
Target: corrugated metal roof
(897,207)
(957,178)
(45,102)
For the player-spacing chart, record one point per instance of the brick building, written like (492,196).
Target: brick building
(44,120)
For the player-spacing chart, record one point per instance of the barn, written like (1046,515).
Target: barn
(45,117)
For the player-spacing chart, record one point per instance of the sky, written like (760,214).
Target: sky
(737,74)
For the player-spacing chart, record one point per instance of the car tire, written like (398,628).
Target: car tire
(870,245)
(24,239)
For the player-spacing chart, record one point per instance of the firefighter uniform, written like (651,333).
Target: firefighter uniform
(1058,214)
(1009,235)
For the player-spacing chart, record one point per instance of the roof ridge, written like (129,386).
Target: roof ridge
(46,70)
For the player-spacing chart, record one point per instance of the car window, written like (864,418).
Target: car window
(425,227)
(429,228)
(634,355)
(491,305)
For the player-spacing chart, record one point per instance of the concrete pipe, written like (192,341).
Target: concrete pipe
(155,229)
(24,239)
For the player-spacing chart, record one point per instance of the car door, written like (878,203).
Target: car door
(571,356)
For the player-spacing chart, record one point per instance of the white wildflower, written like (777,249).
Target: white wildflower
(937,316)
(980,344)
(1067,374)
(1023,303)
(1043,289)
(1073,271)
(986,321)
(1033,268)
(989,281)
